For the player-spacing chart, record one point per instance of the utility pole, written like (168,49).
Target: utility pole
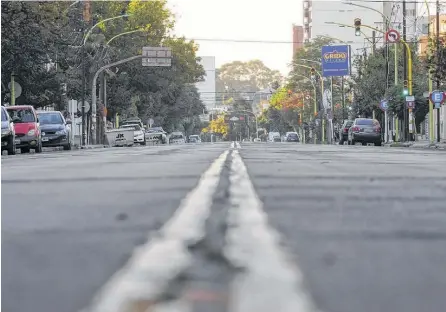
(373,42)
(405,122)
(438,64)
(85,20)
(343,98)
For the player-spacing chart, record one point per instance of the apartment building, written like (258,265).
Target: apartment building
(206,88)
(298,38)
(432,25)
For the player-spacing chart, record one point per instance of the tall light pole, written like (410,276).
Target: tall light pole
(84,75)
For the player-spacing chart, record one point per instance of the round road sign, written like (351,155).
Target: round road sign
(79,106)
(437,98)
(392,36)
(384,105)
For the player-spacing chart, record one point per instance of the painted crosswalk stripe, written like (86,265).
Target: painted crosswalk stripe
(153,265)
(269,282)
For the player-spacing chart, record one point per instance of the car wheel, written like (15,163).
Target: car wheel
(341,142)
(11,149)
(378,143)
(353,142)
(364,143)
(67,147)
(143,143)
(38,148)
(24,150)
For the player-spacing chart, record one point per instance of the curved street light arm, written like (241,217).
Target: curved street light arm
(100,22)
(377,11)
(122,34)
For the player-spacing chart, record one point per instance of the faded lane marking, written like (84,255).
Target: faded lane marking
(269,282)
(154,264)
(237,145)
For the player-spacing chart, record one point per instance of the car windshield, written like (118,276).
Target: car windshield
(292,135)
(176,136)
(348,123)
(193,137)
(21,115)
(158,129)
(135,127)
(50,119)
(4,116)
(365,122)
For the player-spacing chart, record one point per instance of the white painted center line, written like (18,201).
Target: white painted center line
(270,282)
(153,265)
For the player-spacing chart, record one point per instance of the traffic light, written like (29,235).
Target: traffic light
(357,27)
(312,71)
(405,89)
(300,118)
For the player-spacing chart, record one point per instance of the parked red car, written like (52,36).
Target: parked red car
(26,126)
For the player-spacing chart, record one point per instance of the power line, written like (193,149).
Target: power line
(390,1)
(251,41)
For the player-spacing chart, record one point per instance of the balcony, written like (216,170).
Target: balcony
(307,4)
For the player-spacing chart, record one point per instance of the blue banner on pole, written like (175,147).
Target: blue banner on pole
(336,60)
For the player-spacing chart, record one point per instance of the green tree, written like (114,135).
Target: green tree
(247,77)
(371,72)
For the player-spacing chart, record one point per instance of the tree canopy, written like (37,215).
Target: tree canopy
(41,45)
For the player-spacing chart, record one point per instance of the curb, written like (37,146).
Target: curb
(414,145)
(90,146)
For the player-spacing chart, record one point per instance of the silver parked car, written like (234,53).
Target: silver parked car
(364,130)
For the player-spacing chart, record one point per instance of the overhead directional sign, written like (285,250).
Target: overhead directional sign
(392,36)
(384,105)
(437,98)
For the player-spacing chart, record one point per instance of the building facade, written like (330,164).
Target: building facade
(298,38)
(206,87)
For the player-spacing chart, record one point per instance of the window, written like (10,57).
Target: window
(50,119)
(21,115)
(365,122)
(4,116)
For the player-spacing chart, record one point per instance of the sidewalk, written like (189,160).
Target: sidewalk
(418,144)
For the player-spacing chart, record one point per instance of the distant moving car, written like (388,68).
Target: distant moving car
(343,134)
(54,129)
(274,136)
(194,139)
(156,134)
(26,126)
(8,133)
(365,130)
(292,137)
(138,133)
(177,138)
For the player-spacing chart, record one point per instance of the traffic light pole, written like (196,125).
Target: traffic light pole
(438,64)
(405,118)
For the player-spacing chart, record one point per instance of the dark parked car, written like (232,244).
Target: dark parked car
(292,137)
(54,129)
(343,135)
(8,133)
(365,130)
(26,127)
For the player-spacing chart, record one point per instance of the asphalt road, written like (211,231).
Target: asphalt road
(224,227)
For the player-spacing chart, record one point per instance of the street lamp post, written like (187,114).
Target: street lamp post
(84,78)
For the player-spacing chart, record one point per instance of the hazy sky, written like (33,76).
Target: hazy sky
(253,20)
